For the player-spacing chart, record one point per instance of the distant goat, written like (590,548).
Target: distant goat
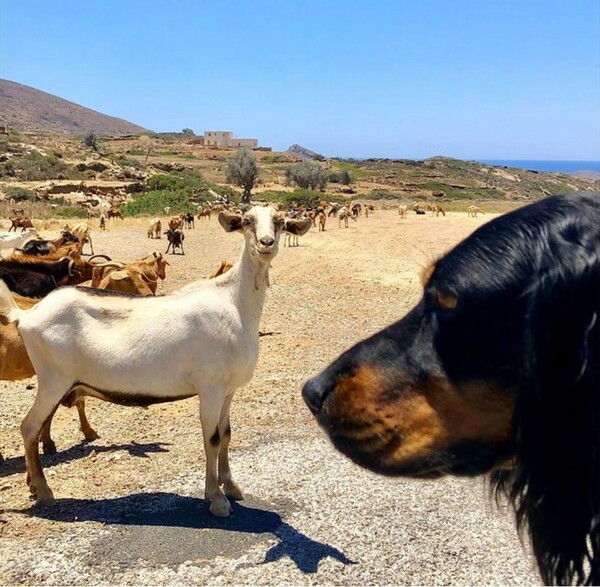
(402,209)
(474,210)
(175,223)
(82,232)
(175,238)
(114,213)
(14,241)
(20,222)
(155,228)
(188,220)
(322,220)
(344,214)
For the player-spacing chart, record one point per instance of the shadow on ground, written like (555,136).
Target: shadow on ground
(14,465)
(169,529)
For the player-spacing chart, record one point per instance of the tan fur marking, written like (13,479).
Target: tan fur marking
(414,423)
(446,301)
(427,272)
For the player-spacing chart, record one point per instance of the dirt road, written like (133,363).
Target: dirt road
(130,508)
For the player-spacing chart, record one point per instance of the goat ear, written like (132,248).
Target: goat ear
(299,227)
(230,222)
(556,485)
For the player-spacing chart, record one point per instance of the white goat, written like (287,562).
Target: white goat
(344,214)
(82,343)
(9,240)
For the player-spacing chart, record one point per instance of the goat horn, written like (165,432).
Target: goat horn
(103,256)
(110,264)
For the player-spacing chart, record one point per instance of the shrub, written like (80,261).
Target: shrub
(91,140)
(34,166)
(154,202)
(19,194)
(165,182)
(381,194)
(307,175)
(70,212)
(302,197)
(242,170)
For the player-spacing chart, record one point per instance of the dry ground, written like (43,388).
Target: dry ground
(130,508)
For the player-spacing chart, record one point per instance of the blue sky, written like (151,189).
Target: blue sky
(503,79)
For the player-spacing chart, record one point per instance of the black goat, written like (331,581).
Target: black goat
(35,279)
(175,238)
(188,220)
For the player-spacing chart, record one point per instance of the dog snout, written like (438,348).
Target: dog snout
(314,394)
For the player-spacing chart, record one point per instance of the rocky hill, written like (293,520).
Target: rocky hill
(24,108)
(303,153)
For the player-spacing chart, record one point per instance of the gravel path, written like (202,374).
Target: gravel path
(130,508)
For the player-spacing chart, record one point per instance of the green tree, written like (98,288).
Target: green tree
(308,175)
(243,171)
(187,131)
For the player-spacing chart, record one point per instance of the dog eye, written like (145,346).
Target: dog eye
(445,301)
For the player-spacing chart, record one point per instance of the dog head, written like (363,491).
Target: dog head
(497,365)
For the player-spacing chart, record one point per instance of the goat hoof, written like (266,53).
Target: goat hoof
(49,447)
(233,491)
(46,501)
(220,507)
(91,435)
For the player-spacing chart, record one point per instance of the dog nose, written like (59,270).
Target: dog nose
(267,241)
(314,395)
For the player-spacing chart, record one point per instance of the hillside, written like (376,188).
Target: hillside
(24,108)
(27,162)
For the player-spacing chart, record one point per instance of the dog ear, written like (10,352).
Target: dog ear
(555,487)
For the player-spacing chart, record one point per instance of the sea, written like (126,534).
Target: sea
(558,166)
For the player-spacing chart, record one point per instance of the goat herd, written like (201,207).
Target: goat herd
(33,268)
(384,402)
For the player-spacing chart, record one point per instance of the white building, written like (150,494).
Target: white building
(225,138)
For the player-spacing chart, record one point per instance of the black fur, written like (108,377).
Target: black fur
(527,322)
(34,279)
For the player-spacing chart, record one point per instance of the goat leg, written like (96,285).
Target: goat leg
(88,432)
(211,404)
(231,489)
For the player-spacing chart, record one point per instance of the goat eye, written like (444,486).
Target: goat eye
(446,301)
(247,221)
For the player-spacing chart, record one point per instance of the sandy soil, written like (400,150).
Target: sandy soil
(336,288)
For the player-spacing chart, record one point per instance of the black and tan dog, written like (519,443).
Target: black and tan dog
(496,370)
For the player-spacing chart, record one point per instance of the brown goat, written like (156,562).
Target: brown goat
(223,267)
(15,366)
(175,223)
(140,277)
(114,213)
(20,222)
(322,220)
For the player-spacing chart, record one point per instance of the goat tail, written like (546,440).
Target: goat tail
(9,311)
